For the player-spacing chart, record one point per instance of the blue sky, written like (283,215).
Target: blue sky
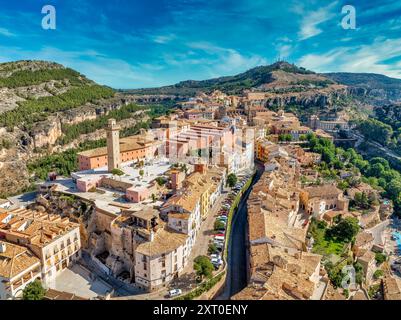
(138,43)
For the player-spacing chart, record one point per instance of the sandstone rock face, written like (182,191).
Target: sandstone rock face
(46,133)
(307,98)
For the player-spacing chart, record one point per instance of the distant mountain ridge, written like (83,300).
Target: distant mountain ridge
(376,89)
(371,88)
(231,84)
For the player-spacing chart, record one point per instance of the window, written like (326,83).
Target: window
(145,266)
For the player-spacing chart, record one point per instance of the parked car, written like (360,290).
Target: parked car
(216,262)
(218,244)
(219,238)
(175,293)
(215,256)
(220,235)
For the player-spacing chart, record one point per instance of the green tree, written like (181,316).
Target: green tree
(232,180)
(380,258)
(160,181)
(34,291)
(212,249)
(117,172)
(361,200)
(358,273)
(345,230)
(378,274)
(203,267)
(141,173)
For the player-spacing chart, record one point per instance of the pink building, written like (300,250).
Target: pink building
(137,194)
(86,184)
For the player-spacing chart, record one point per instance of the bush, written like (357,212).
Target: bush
(218,225)
(205,286)
(212,249)
(117,172)
(203,267)
(34,291)
(232,180)
(378,274)
(380,258)
(160,181)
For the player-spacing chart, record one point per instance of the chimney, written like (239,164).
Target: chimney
(113,145)
(3,247)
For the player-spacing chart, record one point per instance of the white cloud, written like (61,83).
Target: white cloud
(5,32)
(162,39)
(221,61)
(312,19)
(365,58)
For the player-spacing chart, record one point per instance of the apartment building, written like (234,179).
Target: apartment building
(18,267)
(53,239)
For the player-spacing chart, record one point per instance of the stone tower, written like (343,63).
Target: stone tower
(113,145)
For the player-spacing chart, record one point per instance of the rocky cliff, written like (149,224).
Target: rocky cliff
(39,98)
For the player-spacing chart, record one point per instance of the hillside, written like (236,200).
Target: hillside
(45,108)
(230,84)
(372,88)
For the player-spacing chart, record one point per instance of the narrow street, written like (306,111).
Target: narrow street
(237,250)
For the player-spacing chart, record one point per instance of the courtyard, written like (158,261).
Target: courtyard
(81,282)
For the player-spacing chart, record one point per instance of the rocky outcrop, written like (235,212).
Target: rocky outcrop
(312,98)
(376,96)
(46,133)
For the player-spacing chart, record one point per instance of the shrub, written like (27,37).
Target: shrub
(218,225)
(378,274)
(34,291)
(232,180)
(203,267)
(117,172)
(380,257)
(212,248)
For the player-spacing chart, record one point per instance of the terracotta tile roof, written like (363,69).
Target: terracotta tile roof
(15,260)
(165,241)
(391,288)
(327,190)
(363,238)
(52,294)
(39,228)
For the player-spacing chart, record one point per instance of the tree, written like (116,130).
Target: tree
(160,181)
(378,274)
(212,248)
(117,172)
(358,273)
(34,291)
(361,200)
(141,173)
(203,267)
(232,180)
(154,198)
(380,257)
(345,230)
